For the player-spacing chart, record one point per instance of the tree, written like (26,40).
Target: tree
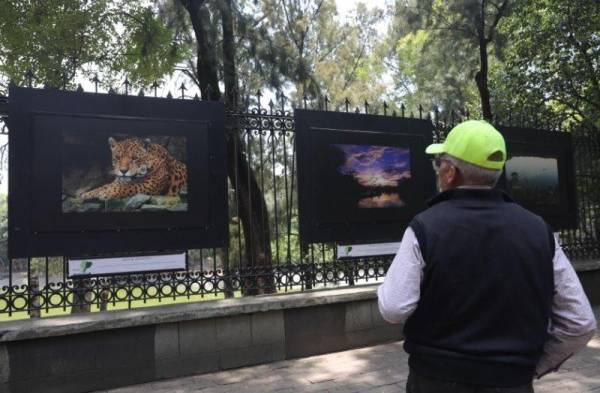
(59,39)
(461,29)
(551,66)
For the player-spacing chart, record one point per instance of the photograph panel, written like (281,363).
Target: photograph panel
(533,181)
(117,172)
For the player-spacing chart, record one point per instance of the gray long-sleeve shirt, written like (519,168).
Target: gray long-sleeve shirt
(571,326)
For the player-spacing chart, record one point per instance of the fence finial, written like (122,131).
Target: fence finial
(126,83)
(420,111)
(347,102)
(79,88)
(305,100)
(155,88)
(169,95)
(326,101)
(271,105)
(402,109)
(29,75)
(183,89)
(366,107)
(385,106)
(141,93)
(96,82)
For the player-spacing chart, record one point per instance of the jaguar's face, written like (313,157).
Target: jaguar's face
(130,158)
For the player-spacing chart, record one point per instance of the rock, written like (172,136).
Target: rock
(74,205)
(153,208)
(167,201)
(116,205)
(136,201)
(181,207)
(71,205)
(90,207)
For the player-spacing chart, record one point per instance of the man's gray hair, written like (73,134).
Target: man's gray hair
(474,175)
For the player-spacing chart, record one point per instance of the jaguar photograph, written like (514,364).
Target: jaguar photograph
(122,173)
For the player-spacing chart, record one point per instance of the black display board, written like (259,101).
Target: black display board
(92,174)
(361,178)
(539,174)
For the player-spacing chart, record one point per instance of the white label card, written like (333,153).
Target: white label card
(121,265)
(367,250)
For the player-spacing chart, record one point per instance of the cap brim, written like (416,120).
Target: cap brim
(436,148)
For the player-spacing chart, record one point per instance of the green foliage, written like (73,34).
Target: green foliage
(436,49)
(551,65)
(60,39)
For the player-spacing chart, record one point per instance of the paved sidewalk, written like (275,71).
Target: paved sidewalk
(378,369)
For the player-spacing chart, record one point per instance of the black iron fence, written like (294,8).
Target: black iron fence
(264,135)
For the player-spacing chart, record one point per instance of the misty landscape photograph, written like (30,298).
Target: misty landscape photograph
(533,181)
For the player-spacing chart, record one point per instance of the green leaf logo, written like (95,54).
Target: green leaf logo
(85,265)
(348,249)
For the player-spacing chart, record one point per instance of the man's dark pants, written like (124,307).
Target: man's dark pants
(418,384)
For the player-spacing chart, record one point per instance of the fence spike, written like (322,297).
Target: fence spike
(96,82)
(347,102)
(385,106)
(258,97)
(169,95)
(183,89)
(141,93)
(402,109)
(357,110)
(305,99)
(29,75)
(126,83)
(326,101)
(111,91)
(79,88)
(196,98)
(366,107)
(155,88)
(271,105)
(420,111)
(282,98)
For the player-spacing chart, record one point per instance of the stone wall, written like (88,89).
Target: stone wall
(105,350)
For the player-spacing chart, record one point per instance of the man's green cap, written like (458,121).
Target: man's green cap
(474,141)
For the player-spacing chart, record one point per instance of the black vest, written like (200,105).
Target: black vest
(486,292)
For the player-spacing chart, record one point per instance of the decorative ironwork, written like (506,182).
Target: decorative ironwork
(266,136)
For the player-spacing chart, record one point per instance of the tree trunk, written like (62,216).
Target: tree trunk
(252,208)
(81,296)
(481,77)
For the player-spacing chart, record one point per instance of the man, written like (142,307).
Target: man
(489,298)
